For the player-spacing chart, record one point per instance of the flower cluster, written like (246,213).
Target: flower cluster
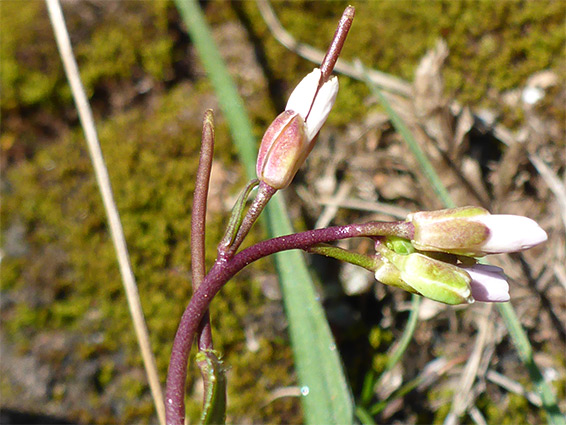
(439,262)
(440,259)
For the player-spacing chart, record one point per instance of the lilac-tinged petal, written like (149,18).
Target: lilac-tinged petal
(511,233)
(489,283)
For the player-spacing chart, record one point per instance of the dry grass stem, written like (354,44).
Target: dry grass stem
(103,180)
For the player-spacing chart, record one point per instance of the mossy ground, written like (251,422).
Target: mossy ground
(60,280)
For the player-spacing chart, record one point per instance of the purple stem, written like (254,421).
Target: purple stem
(333,52)
(327,65)
(198,221)
(224,269)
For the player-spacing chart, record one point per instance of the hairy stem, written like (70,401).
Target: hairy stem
(226,268)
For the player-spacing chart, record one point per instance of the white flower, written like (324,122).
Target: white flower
(311,105)
(290,137)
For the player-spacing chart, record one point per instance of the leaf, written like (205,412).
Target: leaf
(214,377)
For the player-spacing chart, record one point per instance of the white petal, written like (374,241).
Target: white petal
(303,100)
(302,97)
(323,103)
(489,283)
(511,233)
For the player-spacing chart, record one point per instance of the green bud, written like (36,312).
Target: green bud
(435,279)
(399,245)
(390,275)
(420,274)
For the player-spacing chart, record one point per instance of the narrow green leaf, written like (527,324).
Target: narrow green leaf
(406,338)
(238,214)
(525,351)
(214,377)
(317,360)
(325,391)
(426,167)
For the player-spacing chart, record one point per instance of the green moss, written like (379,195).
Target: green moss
(493,45)
(30,66)
(152,157)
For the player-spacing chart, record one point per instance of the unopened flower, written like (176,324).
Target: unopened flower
(489,283)
(473,231)
(283,149)
(444,277)
(426,276)
(290,138)
(313,106)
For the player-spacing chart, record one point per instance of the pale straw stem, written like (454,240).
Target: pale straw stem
(101,173)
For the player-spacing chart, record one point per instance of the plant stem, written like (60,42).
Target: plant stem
(225,268)
(368,262)
(198,220)
(333,52)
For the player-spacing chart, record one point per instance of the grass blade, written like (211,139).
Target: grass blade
(317,360)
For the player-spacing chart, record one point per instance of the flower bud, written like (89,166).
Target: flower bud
(473,231)
(388,274)
(431,278)
(283,149)
(435,279)
(311,105)
(489,283)
(290,138)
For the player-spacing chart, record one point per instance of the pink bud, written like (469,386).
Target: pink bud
(283,149)
(290,138)
(489,283)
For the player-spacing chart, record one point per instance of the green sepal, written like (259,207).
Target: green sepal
(399,245)
(435,279)
(237,214)
(214,377)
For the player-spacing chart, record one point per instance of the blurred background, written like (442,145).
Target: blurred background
(480,85)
